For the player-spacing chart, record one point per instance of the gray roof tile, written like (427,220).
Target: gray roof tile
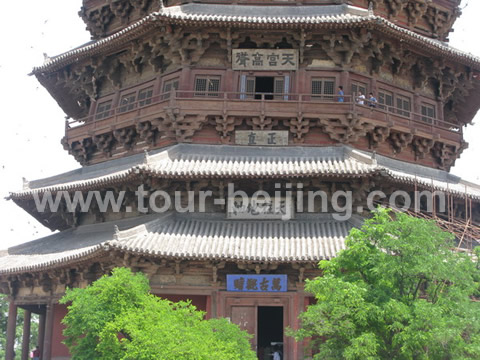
(309,238)
(225,161)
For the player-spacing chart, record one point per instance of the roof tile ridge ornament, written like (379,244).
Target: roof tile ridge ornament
(116,233)
(46,58)
(374,158)
(370,160)
(146,157)
(26,184)
(162,6)
(370,9)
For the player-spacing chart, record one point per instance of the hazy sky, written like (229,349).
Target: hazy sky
(33,124)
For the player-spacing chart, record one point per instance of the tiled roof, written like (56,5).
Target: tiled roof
(232,161)
(211,237)
(68,246)
(456,187)
(210,161)
(328,16)
(309,238)
(241,162)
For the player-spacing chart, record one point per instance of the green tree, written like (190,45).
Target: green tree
(397,292)
(18,331)
(117,318)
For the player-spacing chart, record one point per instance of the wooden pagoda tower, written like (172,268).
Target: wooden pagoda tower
(183,97)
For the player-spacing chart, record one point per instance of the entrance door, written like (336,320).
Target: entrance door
(270,86)
(245,318)
(264,85)
(269,331)
(266,325)
(265,317)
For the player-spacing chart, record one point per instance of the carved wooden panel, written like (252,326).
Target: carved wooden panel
(422,147)
(400,141)
(345,129)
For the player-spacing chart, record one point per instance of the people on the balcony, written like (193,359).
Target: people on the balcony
(340,94)
(361,98)
(372,100)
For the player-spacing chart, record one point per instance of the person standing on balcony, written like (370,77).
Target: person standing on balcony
(340,94)
(361,98)
(372,100)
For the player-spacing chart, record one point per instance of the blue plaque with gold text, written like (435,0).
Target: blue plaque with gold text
(257,283)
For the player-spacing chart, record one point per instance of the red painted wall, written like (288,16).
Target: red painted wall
(58,349)
(199,301)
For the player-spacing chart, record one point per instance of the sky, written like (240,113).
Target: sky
(33,124)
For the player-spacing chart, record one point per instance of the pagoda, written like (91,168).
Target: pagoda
(173,104)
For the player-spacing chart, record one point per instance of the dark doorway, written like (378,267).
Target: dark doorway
(264,84)
(270,331)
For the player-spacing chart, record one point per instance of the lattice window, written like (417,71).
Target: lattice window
(127,102)
(358,87)
(329,88)
(168,87)
(279,87)
(323,88)
(250,87)
(317,86)
(207,86)
(103,110)
(385,100)
(145,96)
(428,112)
(404,106)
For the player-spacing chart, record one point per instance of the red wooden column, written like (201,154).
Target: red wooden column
(345,82)
(214,300)
(11,325)
(301,84)
(298,308)
(185,83)
(26,334)
(373,88)
(41,333)
(47,343)
(440,105)
(230,83)
(416,103)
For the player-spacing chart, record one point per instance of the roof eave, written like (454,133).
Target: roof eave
(159,19)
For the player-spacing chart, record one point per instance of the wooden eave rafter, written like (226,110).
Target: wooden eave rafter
(155,20)
(25,200)
(104,250)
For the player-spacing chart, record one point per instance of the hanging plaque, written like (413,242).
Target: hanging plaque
(257,283)
(265,59)
(260,208)
(261,137)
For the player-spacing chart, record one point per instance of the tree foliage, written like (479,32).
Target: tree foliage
(117,318)
(397,292)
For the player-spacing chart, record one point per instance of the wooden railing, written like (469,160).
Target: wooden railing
(257,104)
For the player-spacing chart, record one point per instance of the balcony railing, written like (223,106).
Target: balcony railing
(244,104)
